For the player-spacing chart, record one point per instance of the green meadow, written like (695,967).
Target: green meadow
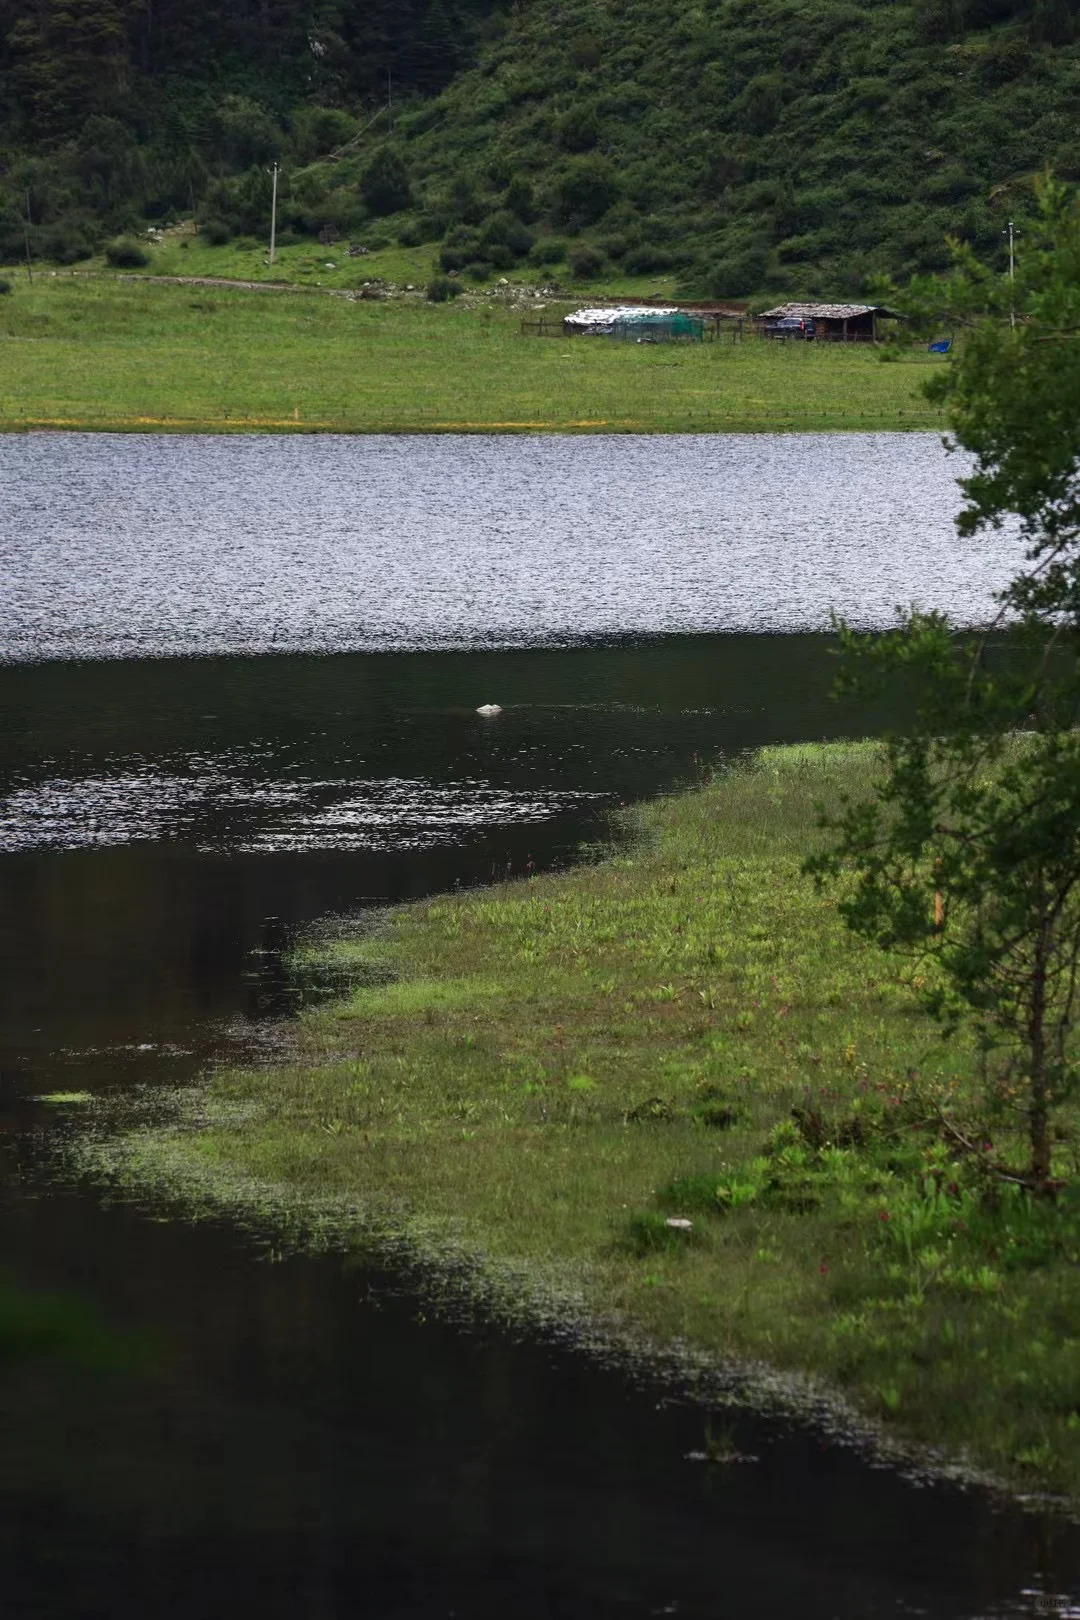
(549,1073)
(81,351)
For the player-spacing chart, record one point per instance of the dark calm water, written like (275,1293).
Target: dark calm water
(309,1438)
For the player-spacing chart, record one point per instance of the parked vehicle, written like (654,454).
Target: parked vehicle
(789,327)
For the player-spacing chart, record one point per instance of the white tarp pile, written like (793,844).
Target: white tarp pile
(603,321)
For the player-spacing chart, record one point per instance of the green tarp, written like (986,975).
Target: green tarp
(659,326)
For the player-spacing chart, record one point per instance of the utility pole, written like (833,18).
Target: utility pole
(273,219)
(1012,277)
(26,239)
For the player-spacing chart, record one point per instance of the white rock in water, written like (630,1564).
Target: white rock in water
(490,708)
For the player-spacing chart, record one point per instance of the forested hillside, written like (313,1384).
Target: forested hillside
(113,111)
(742,144)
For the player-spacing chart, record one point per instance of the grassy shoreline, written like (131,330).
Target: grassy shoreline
(545,1074)
(135,355)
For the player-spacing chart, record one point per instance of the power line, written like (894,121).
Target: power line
(26,239)
(1012,276)
(273,218)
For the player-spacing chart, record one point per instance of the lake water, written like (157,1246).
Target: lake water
(310,1438)
(119,546)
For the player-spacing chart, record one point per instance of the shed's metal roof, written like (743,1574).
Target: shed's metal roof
(823,312)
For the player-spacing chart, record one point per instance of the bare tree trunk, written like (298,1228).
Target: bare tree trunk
(1039,1100)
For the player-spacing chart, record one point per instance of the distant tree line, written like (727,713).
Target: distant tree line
(64,60)
(1051,22)
(742,147)
(115,110)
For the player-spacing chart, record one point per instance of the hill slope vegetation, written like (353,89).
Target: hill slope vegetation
(745,145)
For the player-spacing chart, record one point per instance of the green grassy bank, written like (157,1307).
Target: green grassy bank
(550,1071)
(135,355)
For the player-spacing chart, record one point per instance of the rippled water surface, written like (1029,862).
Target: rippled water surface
(162,819)
(312,1439)
(114,546)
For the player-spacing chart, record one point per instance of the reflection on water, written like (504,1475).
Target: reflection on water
(114,546)
(390,814)
(164,820)
(316,1443)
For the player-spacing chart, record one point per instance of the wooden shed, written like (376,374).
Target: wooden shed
(830,323)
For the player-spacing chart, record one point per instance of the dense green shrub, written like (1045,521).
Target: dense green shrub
(316,130)
(242,202)
(6,286)
(585,190)
(655,229)
(442,289)
(420,229)
(216,232)
(246,133)
(12,241)
(520,199)
(549,250)
(125,253)
(464,202)
(384,183)
(586,51)
(797,249)
(1004,60)
(1053,22)
(761,102)
(585,263)
(505,230)
(951,183)
(939,20)
(646,260)
(67,242)
(339,210)
(579,129)
(1066,163)
(743,271)
(461,236)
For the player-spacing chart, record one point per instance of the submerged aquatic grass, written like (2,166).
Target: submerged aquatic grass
(673,1078)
